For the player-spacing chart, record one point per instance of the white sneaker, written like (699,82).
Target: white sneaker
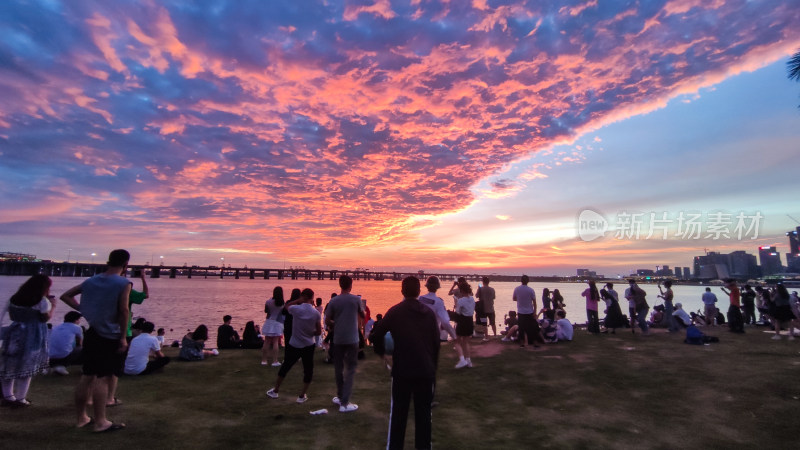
(264,363)
(272,394)
(302,399)
(462,363)
(336,401)
(350,407)
(215,352)
(469,362)
(777,337)
(276,364)
(61,370)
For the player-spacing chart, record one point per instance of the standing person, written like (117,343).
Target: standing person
(306,326)
(287,318)
(24,350)
(592,297)
(547,304)
(65,344)
(273,327)
(638,297)
(227,337)
(136,298)
(343,313)
(526,307)
(668,296)
(763,302)
(710,308)
(142,346)
(415,331)
(320,310)
(614,318)
(104,304)
(782,310)
(436,304)
(465,308)
(749,305)
(558,300)
(735,319)
(486,295)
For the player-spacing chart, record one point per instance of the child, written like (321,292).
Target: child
(160,336)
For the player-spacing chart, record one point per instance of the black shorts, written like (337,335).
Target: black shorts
(101,356)
(491,317)
(464,325)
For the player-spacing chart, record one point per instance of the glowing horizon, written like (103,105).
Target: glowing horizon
(378,133)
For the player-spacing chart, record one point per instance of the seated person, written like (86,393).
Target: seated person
(548,330)
(250,338)
(681,317)
(512,327)
(160,336)
(564,329)
(657,316)
(193,345)
(142,346)
(64,345)
(227,337)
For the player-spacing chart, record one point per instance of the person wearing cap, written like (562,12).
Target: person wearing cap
(680,316)
(65,344)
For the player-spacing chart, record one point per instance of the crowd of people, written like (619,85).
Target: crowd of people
(408,337)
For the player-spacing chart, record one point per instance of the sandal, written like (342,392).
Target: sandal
(116,402)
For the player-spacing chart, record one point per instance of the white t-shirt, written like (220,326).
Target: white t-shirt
(680,313)
(139,353)
(564,330)
(465,306)
(524,297)
(432,301)
(304,320)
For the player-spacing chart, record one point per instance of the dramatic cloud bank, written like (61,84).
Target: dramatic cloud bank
(288,128)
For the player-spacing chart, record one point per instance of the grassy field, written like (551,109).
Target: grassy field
(607,391)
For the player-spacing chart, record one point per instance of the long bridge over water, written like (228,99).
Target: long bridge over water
(78,269)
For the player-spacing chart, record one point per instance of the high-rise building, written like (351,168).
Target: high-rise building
(770,260)
(678,273)
(687,274)
(743,265)
(793,257)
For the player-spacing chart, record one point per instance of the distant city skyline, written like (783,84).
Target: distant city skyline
(464,136)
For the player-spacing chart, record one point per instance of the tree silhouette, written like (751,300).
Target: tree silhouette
(794,67)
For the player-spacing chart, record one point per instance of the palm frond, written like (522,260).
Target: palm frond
(794,67)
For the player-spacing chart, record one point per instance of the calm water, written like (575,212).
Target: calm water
(181,304)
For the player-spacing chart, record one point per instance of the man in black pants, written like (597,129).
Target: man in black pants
(415,333)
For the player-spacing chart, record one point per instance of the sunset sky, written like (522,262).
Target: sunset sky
(415,134)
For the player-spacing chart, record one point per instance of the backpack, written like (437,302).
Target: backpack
(694,336)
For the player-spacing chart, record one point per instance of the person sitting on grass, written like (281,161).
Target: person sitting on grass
(511,327)
(549,331)
(680,316)
(142,346)
(227,337)
(564,330)
(193,345)
(64,345)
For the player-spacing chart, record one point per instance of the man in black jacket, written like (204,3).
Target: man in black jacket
(415,333)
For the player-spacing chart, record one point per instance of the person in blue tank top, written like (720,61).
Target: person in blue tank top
(104,304)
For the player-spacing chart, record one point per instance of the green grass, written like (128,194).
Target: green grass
(608,391)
